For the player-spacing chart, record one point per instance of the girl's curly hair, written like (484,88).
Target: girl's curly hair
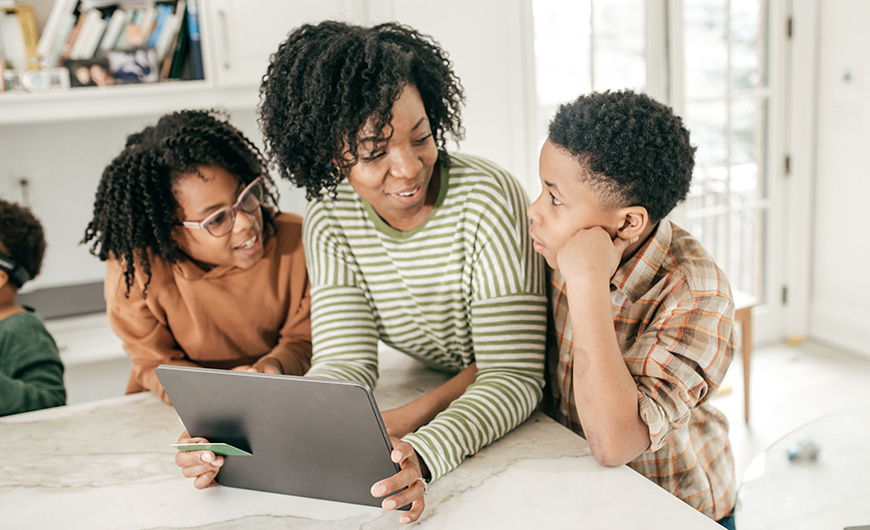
(327,80)
(135,207)
(21,237)
(637,149)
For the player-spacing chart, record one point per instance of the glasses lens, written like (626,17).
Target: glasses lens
(220,222)
(251,197)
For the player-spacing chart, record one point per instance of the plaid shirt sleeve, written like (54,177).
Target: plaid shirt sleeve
(680,359)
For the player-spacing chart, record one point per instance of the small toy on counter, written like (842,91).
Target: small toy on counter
(805,450)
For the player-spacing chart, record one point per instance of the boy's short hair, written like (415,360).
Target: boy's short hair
(636,150)
(21,237)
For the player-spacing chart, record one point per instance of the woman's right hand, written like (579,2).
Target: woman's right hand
(202,466)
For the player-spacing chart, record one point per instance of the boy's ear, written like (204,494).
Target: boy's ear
(634,219)
(4,279)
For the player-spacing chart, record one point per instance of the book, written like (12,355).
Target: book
(91,29)
(66,26)
(18,30)
(60,11)
(195,45)
(180,54)
(71,39)
(13,40)
(141,27)
(168,37)
(92,33)
(2,65)
(163,12)
(113,29)
(29,35)
(121,43)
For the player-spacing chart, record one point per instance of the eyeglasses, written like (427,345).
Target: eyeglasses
(221,222)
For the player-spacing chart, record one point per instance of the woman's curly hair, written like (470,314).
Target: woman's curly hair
(21,237)
(327,80)
(135,208)
(636,149)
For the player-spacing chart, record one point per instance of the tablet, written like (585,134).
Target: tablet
(307,437)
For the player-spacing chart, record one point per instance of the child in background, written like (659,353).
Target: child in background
(200,270)
(642,315)
(31,373)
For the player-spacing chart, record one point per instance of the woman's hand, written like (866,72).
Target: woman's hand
(203,465)
(409,477)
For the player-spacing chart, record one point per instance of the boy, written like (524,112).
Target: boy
(31,373)
(642,316)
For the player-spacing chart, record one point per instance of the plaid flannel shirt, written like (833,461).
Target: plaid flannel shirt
(673,315)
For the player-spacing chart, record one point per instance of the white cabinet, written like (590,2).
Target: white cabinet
(244,34)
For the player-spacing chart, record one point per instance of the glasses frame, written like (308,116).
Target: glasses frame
(201,225)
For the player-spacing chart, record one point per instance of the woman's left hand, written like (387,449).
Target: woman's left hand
(409,477)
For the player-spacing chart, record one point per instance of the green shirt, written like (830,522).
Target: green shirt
(31,373)
(464,286)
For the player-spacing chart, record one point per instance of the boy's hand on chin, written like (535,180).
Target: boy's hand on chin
(591,255)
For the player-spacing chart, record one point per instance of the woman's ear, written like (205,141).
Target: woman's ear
(635,219)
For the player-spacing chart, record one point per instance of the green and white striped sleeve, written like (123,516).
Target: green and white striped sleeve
(508,326)
(344,334)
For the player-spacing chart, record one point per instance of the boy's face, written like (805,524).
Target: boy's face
(566,204)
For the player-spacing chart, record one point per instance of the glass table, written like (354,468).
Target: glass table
(817,477)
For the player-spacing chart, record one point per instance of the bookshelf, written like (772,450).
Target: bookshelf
(87,103)
(237,39)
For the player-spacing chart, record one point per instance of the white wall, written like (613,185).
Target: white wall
(840,313)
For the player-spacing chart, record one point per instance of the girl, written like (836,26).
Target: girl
(201,270)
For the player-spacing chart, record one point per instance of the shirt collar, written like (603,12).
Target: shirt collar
(635,276)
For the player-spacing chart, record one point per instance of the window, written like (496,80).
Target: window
(726,100)
(584,45)
(719,83)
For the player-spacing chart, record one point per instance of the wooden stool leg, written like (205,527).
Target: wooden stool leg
(745,320)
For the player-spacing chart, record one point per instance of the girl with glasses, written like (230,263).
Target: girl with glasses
(201,269)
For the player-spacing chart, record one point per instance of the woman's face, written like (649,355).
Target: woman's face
(395,177)
(198,197)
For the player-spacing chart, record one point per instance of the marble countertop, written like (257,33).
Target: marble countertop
(108,465)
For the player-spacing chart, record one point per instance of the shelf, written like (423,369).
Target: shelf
(20,108)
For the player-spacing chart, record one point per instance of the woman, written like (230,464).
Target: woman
(425,251)
(199,269)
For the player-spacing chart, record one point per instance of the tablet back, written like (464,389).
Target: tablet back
(309,437)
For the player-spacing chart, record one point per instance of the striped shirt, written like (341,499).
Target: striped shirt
(672,311)
(464,286)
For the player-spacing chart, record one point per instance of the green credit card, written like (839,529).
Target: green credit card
(216,448)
